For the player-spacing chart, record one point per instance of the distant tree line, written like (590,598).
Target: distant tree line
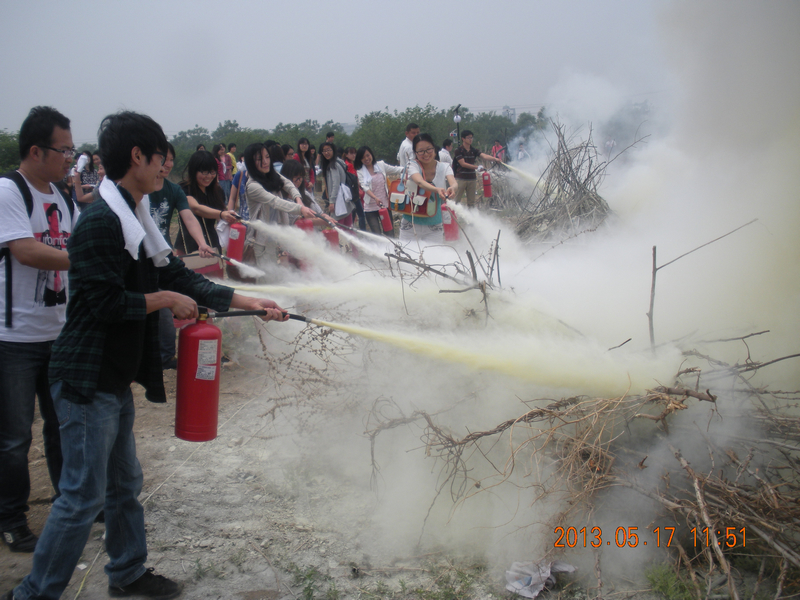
(382,130)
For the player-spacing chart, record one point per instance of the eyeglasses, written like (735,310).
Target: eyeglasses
(425,151)
(163,157)
(207,173)
(68,153)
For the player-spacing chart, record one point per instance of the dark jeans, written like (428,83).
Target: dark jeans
(166,334)
(374,224)
(23,377)
(362,221)
(100,470)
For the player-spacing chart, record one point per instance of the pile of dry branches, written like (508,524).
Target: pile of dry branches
(575,450)
(565,200)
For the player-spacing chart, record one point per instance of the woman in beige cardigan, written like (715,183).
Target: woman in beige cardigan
(266,190)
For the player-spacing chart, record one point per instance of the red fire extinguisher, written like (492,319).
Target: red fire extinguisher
(236,241)
(449,223)
(333,238)
(306,225)
(197,398)
(386,220)
(487,184)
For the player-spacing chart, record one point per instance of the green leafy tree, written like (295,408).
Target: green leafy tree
(9,151)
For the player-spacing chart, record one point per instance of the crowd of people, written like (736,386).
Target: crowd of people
(97,283)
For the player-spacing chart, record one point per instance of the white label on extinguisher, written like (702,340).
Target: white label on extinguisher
(207,352)
(446,217)
(206,372)
(234,234)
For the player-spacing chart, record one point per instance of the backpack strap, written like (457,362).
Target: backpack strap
(5,253)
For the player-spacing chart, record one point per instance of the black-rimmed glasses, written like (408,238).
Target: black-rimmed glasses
(68,152)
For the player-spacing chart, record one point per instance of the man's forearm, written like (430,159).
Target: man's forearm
(37,255)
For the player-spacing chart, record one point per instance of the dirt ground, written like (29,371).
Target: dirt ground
(243,516)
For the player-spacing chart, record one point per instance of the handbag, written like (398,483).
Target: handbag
(416,201)
(344,199)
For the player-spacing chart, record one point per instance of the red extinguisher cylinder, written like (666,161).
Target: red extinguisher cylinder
(386,220)
(305,224)
(333,238)
(197,397)
(487,185)
(450,224)
(236,241)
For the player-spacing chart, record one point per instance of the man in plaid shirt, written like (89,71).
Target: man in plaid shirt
(118,263)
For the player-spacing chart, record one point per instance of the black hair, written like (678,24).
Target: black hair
(231,146)
(324,163)
(465,133)
(269,143)
(358,162)
(202,162)
(411,126)
(223,146)
(276,154)
(330,134)
(271,181)
(203,146)
(171,149)
(447,143)
(120,133)
(348,150)
(215,150)
(37,128)
(307,153)
(423,137)
(286,148)
(51,209)
(291,169)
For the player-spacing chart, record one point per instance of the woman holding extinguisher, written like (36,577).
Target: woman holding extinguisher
(430,183)
(372,179)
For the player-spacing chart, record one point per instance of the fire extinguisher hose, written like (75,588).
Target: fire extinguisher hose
(247,313)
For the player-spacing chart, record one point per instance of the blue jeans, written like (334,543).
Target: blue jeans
(23,377)
(100,470)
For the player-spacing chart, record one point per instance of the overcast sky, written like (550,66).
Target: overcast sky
(263,62)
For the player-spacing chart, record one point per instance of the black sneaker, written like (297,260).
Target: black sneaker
(172,363)
(20,539)
(148,585)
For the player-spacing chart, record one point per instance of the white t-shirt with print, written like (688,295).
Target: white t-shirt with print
(39,298)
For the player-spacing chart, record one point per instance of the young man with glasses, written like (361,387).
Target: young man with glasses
(118,262)
(465,162)
(33,275)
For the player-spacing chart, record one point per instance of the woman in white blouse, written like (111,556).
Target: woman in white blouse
(372,179)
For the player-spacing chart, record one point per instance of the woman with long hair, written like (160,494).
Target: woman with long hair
(266,193)
(206,200)
(426,173)
(295,172)
(372,179)
(333,171)
(305,157)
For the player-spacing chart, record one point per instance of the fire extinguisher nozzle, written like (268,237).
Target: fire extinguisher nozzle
(299,318)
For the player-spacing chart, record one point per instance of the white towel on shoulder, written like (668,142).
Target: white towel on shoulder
(137,225)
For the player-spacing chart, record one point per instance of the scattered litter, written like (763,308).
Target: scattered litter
(530,578)
(81,566)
